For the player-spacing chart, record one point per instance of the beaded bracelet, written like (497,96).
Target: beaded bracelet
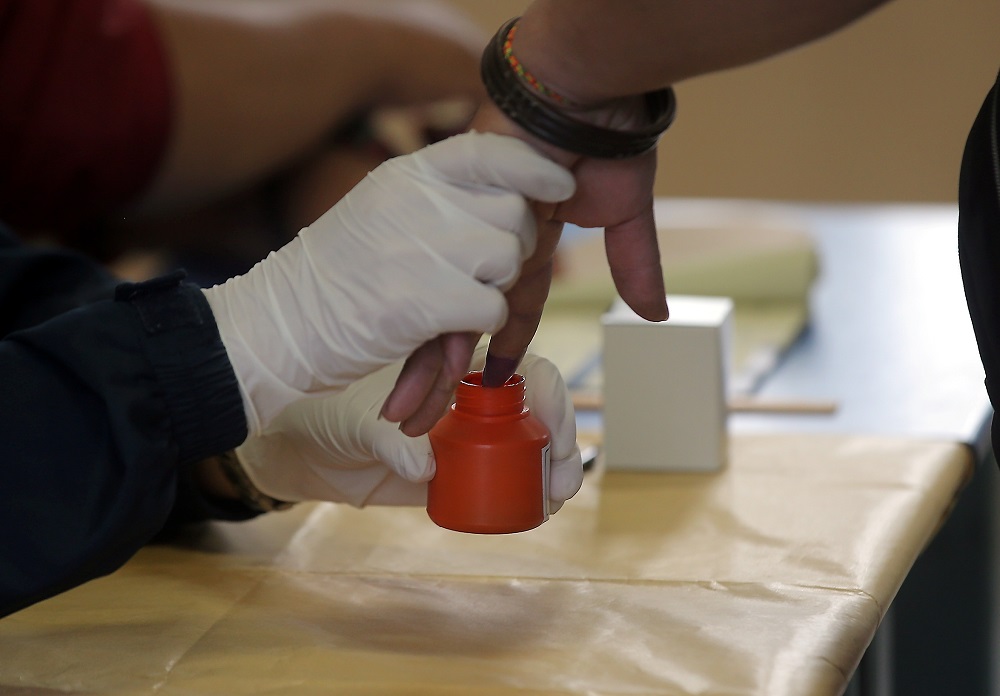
(522,72)
(543,112)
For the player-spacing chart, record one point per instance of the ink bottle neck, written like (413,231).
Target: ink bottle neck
(473,399)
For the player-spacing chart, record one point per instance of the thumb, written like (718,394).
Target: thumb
(409,457)
(549,399)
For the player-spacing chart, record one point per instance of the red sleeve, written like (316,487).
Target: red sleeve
(85,112)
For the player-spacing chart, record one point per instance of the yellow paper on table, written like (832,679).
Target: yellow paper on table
(767,265)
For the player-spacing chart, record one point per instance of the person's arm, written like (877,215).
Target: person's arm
(593,50)
(102,405)
(129,106)
(260,83)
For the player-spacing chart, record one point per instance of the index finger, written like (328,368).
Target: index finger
(526,300)
(525,303)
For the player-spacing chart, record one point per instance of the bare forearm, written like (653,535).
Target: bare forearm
(258,83)
(598,49)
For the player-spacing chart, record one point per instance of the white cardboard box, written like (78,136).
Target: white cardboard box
(665,386)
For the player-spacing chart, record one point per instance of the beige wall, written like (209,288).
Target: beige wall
(876,112)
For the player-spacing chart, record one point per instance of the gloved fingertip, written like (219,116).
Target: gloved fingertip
(556,186)
(504,160)
(428,472)
(422,472)
(566,479)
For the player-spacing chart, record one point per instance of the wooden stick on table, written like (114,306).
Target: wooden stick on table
(740,404)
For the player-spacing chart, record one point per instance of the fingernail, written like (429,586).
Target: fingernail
(382,411)
(658,312)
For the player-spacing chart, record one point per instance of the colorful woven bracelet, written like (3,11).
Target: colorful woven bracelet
(522,72)
(537,110)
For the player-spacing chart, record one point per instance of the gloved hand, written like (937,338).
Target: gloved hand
(424,245)
(337,448)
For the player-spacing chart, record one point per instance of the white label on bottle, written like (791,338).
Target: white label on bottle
(545,480)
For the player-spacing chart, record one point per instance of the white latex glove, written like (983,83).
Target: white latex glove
(424,245)
(337,448)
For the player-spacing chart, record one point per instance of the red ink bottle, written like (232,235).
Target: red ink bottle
(492,461)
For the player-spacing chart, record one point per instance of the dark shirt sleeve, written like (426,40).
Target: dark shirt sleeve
(106,394)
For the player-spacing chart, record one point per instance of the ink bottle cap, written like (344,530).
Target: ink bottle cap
(492,461)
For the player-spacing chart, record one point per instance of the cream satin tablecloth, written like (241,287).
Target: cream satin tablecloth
(769,578)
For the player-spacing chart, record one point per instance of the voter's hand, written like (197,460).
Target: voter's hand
(616,194)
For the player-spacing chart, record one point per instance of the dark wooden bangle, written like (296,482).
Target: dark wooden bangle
(547,121)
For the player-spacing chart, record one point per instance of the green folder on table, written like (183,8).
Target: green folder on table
(767,266)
